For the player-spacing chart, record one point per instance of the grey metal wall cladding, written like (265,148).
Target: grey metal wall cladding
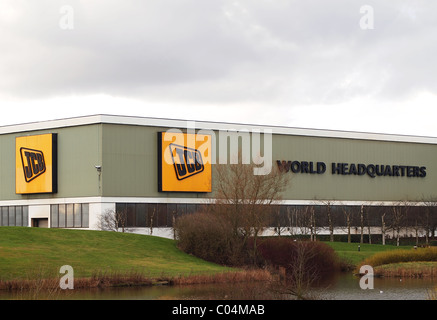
(79,150)
(353,186)
(129,160)
(130,166)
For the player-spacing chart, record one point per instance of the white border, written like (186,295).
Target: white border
(173,123)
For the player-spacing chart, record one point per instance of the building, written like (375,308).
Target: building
(65,173)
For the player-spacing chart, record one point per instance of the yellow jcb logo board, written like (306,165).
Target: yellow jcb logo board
(184,162)
(36,164)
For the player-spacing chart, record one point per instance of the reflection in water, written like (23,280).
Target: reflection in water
(340,287)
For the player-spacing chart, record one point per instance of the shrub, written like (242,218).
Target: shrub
(316,258)
(210,237)
(396,256)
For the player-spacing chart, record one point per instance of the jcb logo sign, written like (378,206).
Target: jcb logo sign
(184,162)
(36,164)
(187,162)
(33,163)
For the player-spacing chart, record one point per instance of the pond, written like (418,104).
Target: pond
(343,286)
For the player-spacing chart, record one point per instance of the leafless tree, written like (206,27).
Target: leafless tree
(368,227)
(399,211)
(347,212)
(111,220)
(302,274)
(383,224)
(247,199)
(279,228)
(328,210)
(313,226)
(362,224)
(429,218)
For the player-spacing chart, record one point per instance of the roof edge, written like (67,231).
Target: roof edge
(208,125)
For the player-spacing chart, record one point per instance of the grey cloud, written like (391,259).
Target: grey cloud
(282,52)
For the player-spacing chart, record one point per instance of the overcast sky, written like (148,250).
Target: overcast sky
(341,64)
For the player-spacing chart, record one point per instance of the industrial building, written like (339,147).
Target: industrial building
(65,173)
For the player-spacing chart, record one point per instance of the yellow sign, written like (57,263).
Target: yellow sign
(36,164)
(184,162)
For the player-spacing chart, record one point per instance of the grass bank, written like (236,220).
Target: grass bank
(30,253)
(412,263)
(354,254)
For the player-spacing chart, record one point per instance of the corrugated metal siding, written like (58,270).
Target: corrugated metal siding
(79,150)
(130,166)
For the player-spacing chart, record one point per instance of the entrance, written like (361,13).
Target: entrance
(40,222)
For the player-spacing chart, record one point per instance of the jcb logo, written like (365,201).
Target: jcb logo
(184,162)
(33,163)
(187,161)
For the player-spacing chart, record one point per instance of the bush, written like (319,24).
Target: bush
(316,257)
(396,256)
(210,237)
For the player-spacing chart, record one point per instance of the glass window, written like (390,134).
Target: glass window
(140,214)
(5,216)
(77,215)
(12,216)
(18,216)
(25,216)
(130,218)
(182,209)
(70,215)
(191,208)
(162,215)
(172,211)
(54,216)
(85,215)
(61,212)
(152,215)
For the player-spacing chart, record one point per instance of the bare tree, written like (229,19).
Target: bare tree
(306,220)
(313,227)
(429,218)
(279,226)
(347,212)
(328,210)
(383,226)
(247,199)
(362,224)
(111,220)
(302,274)
(368,226)
(399,211)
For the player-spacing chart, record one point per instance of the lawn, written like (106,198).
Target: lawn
(29,252)
(349,251)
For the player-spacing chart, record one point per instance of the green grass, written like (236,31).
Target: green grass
(26,252)
(406,255)
(349,253)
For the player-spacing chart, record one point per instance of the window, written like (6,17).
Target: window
(61,210)
(14,216)
(11,216)
(77,215)
(18,216)
(69,215)
(54,213)
(146,215)
(5,216)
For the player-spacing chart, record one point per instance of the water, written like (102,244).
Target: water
(341,287)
